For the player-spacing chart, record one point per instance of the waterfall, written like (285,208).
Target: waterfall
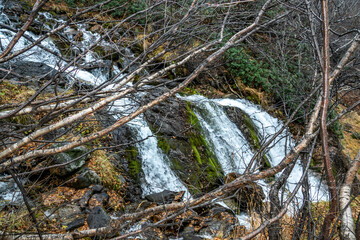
(230,144)
(227,141)
(155,165)
(157,173)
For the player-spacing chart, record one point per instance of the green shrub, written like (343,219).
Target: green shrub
(252,72)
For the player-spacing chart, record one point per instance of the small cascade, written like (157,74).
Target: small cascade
(155,165)
(231,147)
(267,126)
(158,175)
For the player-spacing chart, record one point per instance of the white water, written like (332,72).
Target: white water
(157,173)
(155,165)
(230,145)
(228,139)
(228,142)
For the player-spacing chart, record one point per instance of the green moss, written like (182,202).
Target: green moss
(192,118)
(188,91)
(176,165)
(196,153)
(163,144)
(208,168)
(131,154)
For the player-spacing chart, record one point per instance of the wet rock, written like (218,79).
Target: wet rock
(98,218)
(70,156)
(31,70)
(165,196)
(79,222)
(10,196)
(180,138)
(85,178)
(219,222)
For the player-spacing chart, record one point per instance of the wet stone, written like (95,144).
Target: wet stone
(165,196)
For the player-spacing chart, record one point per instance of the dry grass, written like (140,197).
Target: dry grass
(10,93)
(351,125)
(100,163)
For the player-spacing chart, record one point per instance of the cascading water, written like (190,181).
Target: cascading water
(227,139)
(230,146)
(228,142)
(157,174)
(155,165)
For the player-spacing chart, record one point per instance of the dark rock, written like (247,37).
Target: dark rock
(79,222)
(97,188)
(85,178)
(190,236)
(32,70)
(99,199)
(69,156)
(98,218)
(83,202)
(165,196)
(14,7)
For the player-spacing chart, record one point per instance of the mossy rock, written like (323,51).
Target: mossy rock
(250,132)
(180,137)
(134,163)
(70,156)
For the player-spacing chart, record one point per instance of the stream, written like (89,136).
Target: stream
(228,142)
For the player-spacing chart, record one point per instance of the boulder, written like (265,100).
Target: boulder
(97,188)
(83,201)
(29,69)
(69,213)
(98,218)
(67,157)
(85,178)
(165,196)
(79,222)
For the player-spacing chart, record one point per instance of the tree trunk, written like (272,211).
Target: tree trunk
(347,221)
